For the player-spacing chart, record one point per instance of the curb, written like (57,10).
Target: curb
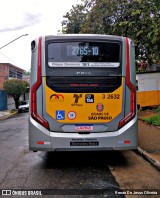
(8,116)
(149,157)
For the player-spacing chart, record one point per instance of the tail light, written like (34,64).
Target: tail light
(132,89)
(35,87)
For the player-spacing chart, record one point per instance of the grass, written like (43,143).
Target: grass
(155,120)
(158,110)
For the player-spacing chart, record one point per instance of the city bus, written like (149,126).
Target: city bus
(82,93)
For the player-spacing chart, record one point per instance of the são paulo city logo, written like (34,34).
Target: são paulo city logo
(100,107)
(56,98)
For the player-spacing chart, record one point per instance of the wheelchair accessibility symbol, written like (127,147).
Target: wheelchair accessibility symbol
(60,115)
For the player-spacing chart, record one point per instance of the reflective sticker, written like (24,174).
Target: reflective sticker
(127,142)
(84,127)
(60,115)
(40,142)
(120,142)
(47,143)
(124,142)
(71,115)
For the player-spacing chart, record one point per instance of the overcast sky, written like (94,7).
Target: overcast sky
(32,17)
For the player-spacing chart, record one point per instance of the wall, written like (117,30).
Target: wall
(148,92)
(3,100)
(3,74)
(11,103)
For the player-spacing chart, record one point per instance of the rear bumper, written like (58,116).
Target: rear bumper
(123,139)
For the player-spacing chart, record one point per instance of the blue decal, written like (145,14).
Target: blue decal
(60,115)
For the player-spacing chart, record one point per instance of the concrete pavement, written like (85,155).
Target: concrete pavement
(6,114)
(149,142)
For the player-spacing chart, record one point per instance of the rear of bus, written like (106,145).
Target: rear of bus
(83,94)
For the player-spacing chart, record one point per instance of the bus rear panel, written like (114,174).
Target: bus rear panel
(83,94)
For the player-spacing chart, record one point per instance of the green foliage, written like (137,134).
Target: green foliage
(158,109)
(75,20)
(27,73)
(137,19)
(15,88)
(155,120)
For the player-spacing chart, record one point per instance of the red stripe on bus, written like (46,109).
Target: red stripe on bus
(132,89)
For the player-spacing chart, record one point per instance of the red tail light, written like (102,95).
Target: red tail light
(132,89)
(35,87)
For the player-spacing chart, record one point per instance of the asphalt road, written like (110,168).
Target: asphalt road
(23,169)
(91,174)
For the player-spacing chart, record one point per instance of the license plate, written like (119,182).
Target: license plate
(84,143)
(82,127)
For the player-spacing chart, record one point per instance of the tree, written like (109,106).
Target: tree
(74,20)
(136,19)
(15,88)
(27,73)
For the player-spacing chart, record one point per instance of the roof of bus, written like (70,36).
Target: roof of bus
(86,36)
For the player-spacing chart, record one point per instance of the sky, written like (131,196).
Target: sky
(32,17)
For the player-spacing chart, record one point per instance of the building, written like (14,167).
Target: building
(8,71)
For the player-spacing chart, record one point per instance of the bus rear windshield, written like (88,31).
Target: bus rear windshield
(83,54)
